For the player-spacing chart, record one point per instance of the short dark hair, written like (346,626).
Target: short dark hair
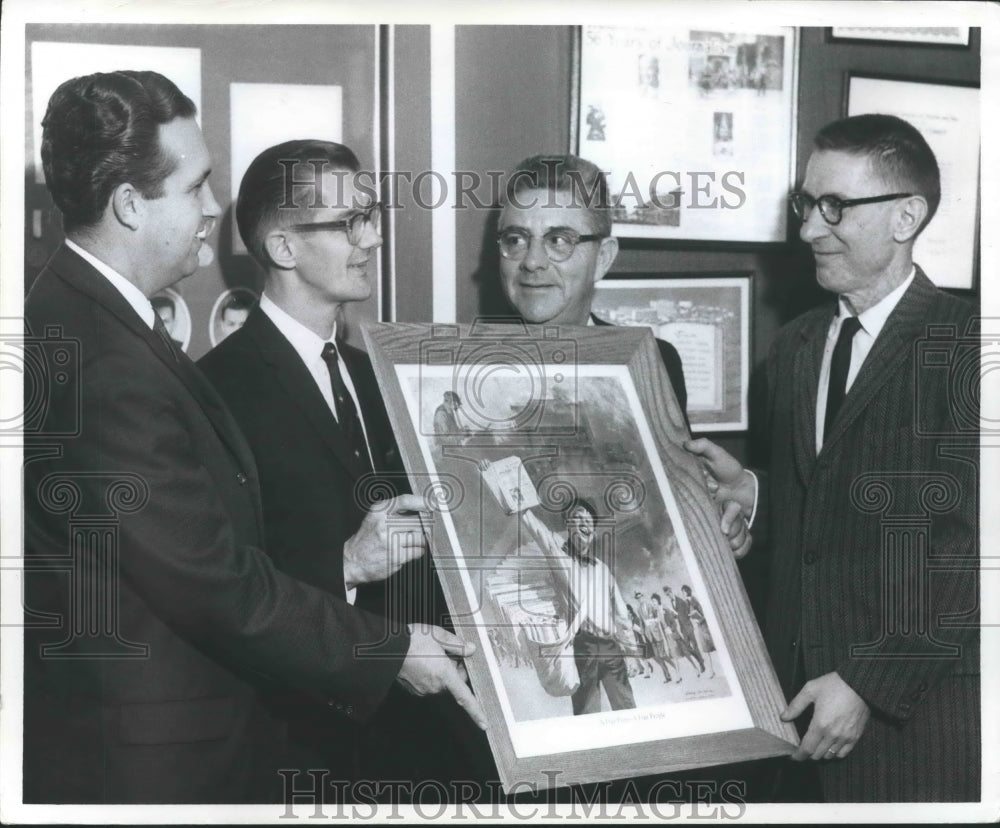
(896,150)
(101,131)
(579,503)
(656,597)
(686,588)
(271,187)
(236,301)
(581,178)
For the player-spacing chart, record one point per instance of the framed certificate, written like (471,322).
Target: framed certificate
(707,319)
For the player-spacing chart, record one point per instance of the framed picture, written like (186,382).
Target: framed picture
(956,36)
(570,530)
(947,115)
(707,319)
(692,125)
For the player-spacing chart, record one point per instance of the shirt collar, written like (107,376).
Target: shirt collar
(874,319)
(307,344)
(130,293)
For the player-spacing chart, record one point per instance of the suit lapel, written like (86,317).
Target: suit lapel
(84,278)
(890,352)
(806,366)
(291,374)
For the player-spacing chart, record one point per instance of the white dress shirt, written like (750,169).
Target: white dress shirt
(872,321)
(130,293)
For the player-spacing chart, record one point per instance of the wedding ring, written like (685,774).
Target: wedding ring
(832,750)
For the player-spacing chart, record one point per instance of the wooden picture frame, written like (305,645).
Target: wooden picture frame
(951,37)
(707,318)
(947,114)
(557,413)
(691,125)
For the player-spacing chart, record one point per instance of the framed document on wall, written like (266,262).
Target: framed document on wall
(505,430)
(694,126)
(947,114)
(708,321)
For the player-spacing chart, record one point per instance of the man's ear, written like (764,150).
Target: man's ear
(909,217)
(606,255)
(128,205)
(279,250)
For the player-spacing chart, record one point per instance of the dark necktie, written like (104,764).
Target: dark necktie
(840,365)
(161,331)
(347,412)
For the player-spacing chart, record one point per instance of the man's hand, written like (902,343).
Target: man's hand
(725,478)
(839,718)
(734,527)
(730,485)
(428,667)
(388,538)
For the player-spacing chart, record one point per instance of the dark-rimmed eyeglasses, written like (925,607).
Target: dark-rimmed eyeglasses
(559,244)
(353,225)
(831,208)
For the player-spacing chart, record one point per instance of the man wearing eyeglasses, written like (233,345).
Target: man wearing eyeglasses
(872,489)
(311,409)
(555,245)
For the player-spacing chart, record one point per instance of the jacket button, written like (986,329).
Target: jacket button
(795,644)
(241,478)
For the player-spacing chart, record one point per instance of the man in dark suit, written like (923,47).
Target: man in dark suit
(871,493)
(310,407)
(158,615)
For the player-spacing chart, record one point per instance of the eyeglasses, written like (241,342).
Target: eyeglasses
(559,244)
(353,225)
(831,208)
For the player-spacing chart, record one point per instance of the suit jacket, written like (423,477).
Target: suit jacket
(142,509)
(873,544)
(315,497)
(675,369)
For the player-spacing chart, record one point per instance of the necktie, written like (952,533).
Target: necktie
(839,367)
(347,412)
(161,331)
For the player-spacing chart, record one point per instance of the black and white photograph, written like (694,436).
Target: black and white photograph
(411,411)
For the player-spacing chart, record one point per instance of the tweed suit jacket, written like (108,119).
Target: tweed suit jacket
(156,615)
(874,545)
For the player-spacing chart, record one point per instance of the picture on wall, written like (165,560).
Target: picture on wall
(694,126)
(707,319)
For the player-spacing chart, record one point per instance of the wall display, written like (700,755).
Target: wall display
(52,63)
(694,126)
(230,312)
(948,117)
(911,36)
(708,321)
(294,110)
(500,428)
(175,315)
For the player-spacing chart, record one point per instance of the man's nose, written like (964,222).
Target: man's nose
(814,226)
(536,256)
(209,206)
(370,237)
